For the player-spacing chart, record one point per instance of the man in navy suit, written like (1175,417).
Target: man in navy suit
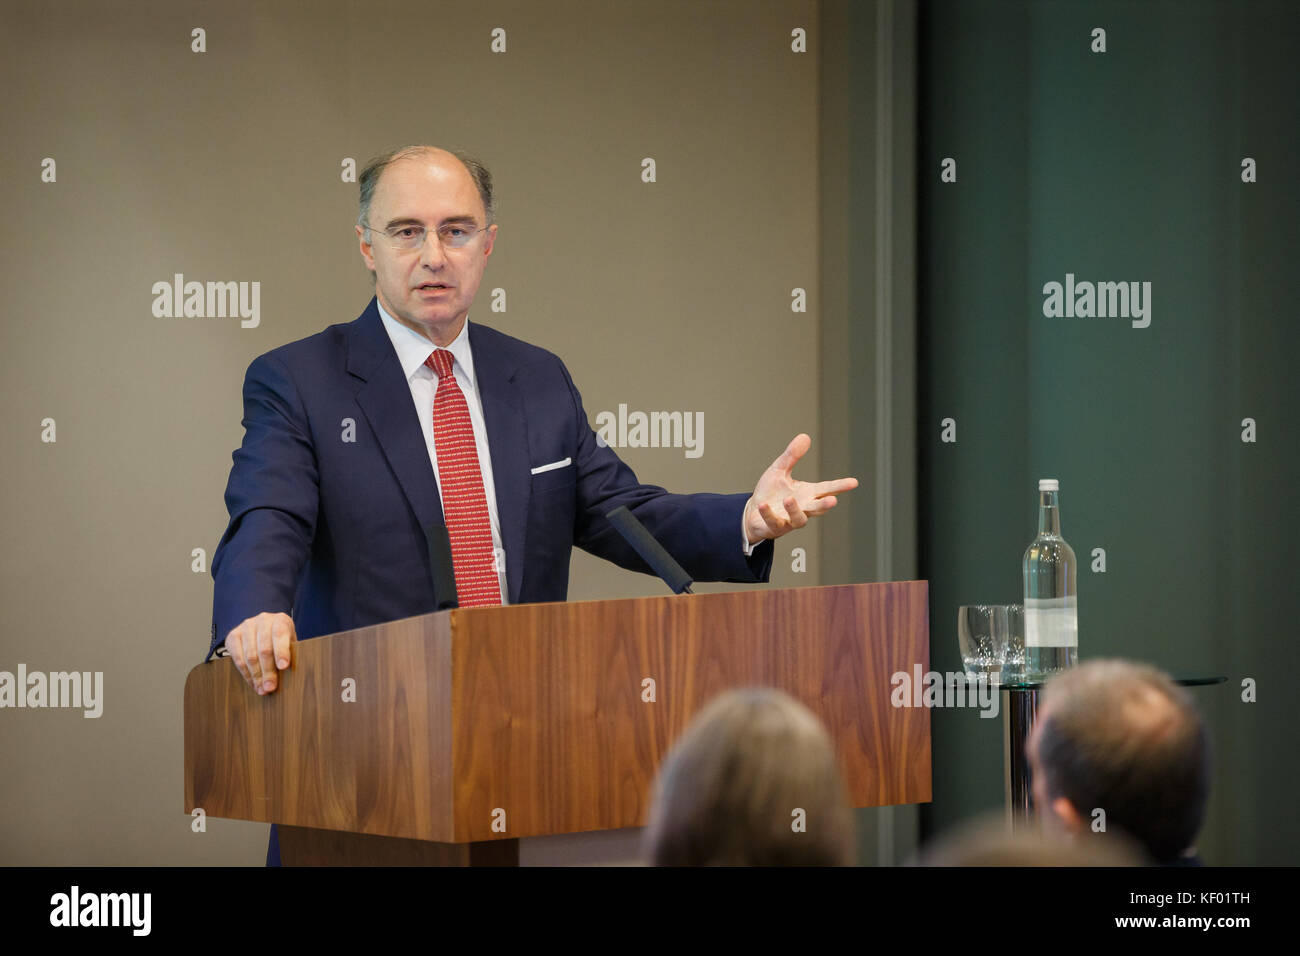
(337,481)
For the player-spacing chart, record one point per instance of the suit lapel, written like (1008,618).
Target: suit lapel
(507,433)
(385,398)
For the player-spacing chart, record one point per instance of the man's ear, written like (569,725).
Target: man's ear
(367,253)
(1068,816)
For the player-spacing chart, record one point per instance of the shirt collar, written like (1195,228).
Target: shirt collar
(413,349)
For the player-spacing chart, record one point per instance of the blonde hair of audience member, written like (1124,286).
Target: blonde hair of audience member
(988,841)
(730,791)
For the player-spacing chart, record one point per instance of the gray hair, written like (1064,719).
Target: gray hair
(375,168)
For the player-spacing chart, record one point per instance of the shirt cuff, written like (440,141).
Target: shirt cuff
(746,548)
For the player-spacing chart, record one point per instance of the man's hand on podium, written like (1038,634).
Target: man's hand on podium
(260,649)
(780,503)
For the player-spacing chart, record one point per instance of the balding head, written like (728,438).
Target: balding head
(1123,738)
(374,170)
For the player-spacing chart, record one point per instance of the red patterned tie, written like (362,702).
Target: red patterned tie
(464,505)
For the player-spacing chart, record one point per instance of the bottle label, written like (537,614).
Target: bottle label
(1052,622)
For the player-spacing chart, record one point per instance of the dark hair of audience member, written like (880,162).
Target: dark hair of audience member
(1122,737)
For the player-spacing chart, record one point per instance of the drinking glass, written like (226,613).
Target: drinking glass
(982,631)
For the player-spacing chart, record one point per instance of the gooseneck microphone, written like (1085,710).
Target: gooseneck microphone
(651,551)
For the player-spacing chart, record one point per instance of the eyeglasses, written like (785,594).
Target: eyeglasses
(411,237)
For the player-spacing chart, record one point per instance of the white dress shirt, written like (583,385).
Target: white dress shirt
(412,351)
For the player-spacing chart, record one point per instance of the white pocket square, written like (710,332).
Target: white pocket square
(552,466)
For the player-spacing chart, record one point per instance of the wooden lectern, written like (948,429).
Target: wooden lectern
(444,739)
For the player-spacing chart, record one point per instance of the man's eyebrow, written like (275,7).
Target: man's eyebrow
(450,220)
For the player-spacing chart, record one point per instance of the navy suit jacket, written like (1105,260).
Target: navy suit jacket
(333,531)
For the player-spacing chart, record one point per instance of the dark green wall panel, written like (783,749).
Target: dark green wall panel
(1119,166)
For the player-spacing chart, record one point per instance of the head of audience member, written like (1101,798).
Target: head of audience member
(989,841)
(1119,738)
(752,782)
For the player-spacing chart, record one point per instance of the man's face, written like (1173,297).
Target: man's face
(429,289)
(1041,807)
(1048,810)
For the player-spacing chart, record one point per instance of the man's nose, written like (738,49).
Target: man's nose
(432,251)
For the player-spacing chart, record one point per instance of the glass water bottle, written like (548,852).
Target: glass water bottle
(1051,598)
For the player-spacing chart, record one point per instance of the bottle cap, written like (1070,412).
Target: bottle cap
(1049,484)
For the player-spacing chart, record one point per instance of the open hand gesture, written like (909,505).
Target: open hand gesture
(781,503)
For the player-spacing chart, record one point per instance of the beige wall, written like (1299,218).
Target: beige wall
(225,165)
